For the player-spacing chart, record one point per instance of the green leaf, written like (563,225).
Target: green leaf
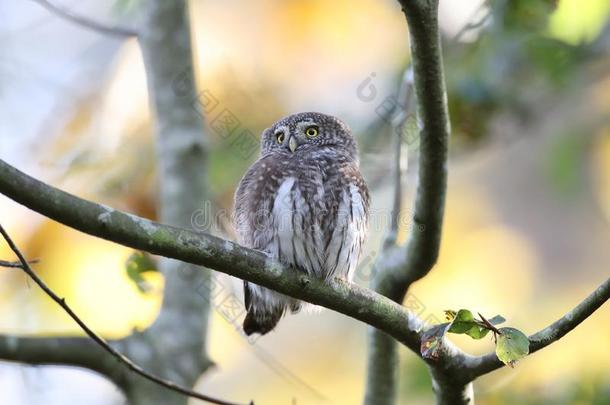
(512,345)
(464,323)
(136,265)
(477,332)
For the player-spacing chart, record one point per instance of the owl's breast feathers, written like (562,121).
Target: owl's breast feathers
(311,214)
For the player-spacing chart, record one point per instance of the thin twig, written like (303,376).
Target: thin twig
(486,324)
(98,339)
(15,265)
(397,203)
(473,24)
(405,107)
(87,22)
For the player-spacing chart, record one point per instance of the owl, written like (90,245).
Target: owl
(304,203)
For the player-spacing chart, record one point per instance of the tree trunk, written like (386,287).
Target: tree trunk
(175,346)
(450,391)
(382,369)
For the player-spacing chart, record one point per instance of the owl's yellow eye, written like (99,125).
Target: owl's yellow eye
(311,132)
(279,137)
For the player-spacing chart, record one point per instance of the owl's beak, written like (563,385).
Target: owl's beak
(293,143)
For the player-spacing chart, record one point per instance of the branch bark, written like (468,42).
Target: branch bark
(450,389)
(73,351)
(206,250)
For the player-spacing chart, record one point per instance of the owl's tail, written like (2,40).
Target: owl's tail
(265,309)
(261,323)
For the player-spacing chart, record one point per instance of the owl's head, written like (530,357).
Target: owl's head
(308,132)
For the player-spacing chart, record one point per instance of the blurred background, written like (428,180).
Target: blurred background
(527,226)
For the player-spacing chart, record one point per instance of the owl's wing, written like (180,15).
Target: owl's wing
(359,218)
(240,208)
(347,222)
(253,203)
(247,198)
(252,221)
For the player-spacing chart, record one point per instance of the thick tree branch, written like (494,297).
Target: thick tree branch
(382,369)
(399,267)
(97,338)
(450,389)
(87,22)
(210,251)
(478,366)
(73,351)
(423,245)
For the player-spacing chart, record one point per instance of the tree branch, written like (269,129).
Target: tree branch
(397,198)
(450,389)
(74,351)
(209,251)
(423,245)
(94,336)
(399,267)
(87,22)
(478,366)
(405,102)
(14,265)
(382,369)
(472,25)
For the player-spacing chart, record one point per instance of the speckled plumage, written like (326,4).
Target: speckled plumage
(307,206)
